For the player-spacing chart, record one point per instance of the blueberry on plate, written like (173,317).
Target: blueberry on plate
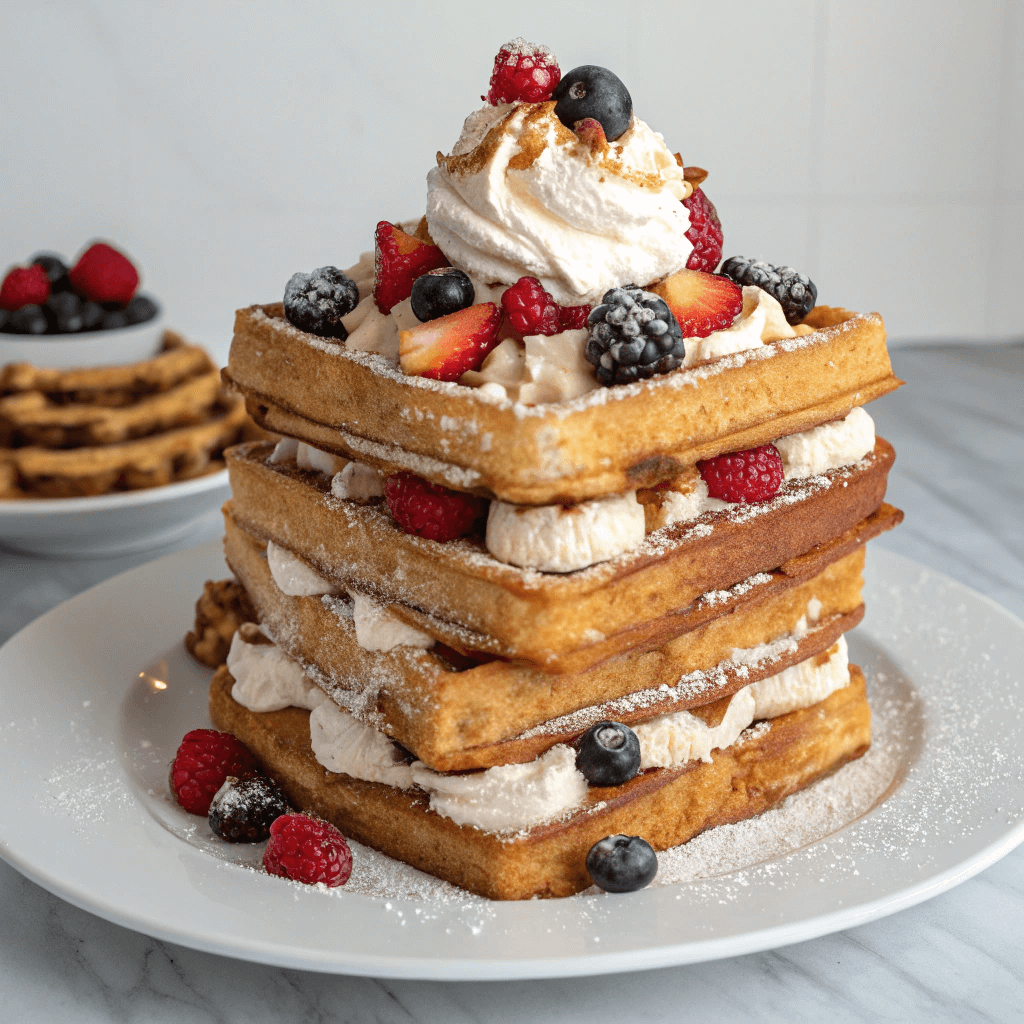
(27,320)
(622,863)
(440,292)
(92,316)
(56,270)
(608,754)
(243,810)
(592,91)
(316,302)
(140,309)
(64,313)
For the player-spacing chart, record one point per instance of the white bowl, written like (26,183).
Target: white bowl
(91,348)
(110,524)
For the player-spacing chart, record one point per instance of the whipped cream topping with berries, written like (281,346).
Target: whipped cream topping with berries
(523,196)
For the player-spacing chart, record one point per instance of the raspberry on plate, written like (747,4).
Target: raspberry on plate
(705,232)
(524,72)
(430,511)
(102,274)
(748,476)
(530,309)
(305,849)
(203,762)
(24,286)
(400,259)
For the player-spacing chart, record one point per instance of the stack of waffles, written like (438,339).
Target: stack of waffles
(80,432)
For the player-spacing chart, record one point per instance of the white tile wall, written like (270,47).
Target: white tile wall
(878,145)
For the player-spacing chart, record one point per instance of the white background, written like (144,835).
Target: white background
(879,146)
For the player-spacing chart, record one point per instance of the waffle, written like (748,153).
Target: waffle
(561,623)
(665,806)
(358,405)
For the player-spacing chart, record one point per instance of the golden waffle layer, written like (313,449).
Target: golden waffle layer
(666,806)
(466,599)
(612,440)
(456,716)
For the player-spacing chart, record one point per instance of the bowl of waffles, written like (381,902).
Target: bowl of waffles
(552,568)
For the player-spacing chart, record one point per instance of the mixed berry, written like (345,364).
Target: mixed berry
(400,258)
(523,72)
(795,292)
(308,850)
(202,764)
(592,92)
(98,292)
(428,510)
(608,754)
(243,810)
(440,292)
(746,477)
(622,863)
(317,302)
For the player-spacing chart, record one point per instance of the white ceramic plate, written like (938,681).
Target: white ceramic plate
(96,694)
(110,524)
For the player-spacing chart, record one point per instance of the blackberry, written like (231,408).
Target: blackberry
(608,754)
(56,270)
(592,91)
(316,302)
(796,292)
(64,313)
(440,292)
(622,863)
(633,335)
(140,309)
(243,810)
(27,320)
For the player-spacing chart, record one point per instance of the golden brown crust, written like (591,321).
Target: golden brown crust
(665,806)
(469,601)
(353,404)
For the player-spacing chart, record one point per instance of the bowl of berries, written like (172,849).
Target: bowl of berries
(86,313)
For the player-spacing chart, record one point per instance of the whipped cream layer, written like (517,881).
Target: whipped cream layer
(522,195)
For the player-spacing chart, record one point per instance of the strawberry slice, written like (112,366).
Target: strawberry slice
(702,303)
(445,348)
(400,259)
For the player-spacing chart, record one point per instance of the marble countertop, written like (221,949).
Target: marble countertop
(959,434)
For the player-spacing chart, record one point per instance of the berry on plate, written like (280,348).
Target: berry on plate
(428,510)
(592,91)
(530,309)
(748,476)
(608,754)
(400,259)
(243,810)
(702,303)
(24,286)
(524,72)
(633,335)
(308,850)
(64,313)
(705,232)
(104,275)
(316,302)
(622,863)
(795,292)
(204,760)
(445,348)
(440,292)
(56,270)
(27,320)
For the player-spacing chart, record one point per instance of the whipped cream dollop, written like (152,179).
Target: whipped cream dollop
(342,743)
(357,482)
(562,538)
(522,195)
(378,630)
(829,446)
(305,456)
(293,576)
(266,679)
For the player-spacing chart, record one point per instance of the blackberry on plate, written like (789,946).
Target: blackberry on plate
(243,810)
(608,754)
(27,320)
(440,292)
(633,335)
(140,309)
(622,863)
(316,302)
(64,313)
(592,91)
(796,292)
(56,270)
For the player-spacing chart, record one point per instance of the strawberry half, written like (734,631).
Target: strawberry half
(400,259)
(445,348)
(702,303)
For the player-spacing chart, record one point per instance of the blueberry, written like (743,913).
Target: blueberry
(92,316)
(441,292)
(56,270)
(316,302)
(64,313)
(622,863)
(140,309)
(27,320)
(114,320)
(608,754)
(591,91)
(243,810)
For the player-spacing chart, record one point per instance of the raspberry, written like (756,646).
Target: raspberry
(24,286)
(305,849)
(530,309)
(750,476)
(102,274)
(430,511)
(573,318)
(203,761)
(523,71)
(705,232)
